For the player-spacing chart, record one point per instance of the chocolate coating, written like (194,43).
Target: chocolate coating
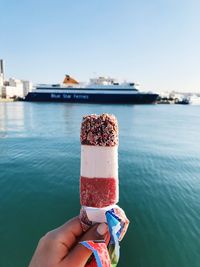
(99,130)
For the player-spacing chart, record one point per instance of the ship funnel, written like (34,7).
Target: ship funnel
(69,80)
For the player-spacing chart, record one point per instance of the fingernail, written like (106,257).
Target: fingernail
(102,229)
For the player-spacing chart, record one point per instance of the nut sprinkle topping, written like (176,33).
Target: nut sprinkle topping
(99,130)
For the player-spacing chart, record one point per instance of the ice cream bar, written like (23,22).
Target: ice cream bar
(99,161)
(99,191)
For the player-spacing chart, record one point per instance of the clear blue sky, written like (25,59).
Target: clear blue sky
(154,42)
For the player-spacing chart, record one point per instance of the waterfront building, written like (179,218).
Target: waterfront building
(13,88)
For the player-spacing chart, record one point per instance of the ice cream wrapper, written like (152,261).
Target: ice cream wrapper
(114,216)
(100,254)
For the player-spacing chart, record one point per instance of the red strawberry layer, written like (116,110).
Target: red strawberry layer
(98,192)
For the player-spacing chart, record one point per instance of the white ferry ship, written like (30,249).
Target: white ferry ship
(98,90)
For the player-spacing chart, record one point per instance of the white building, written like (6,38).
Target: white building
(13,88)
(28,86)
(16,88)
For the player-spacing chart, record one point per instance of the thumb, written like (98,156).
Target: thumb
(80,254)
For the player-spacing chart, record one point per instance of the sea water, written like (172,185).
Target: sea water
(159,172)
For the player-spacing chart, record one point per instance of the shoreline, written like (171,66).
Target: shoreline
(3,100)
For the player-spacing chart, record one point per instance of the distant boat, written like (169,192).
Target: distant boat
(182,101)
(98,90)
(195,100)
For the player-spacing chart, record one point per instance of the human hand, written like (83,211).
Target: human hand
(61,248)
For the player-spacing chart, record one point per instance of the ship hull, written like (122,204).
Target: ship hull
(139,98)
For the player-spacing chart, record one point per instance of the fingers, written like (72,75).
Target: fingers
(72,226)
(68,233)
(79,255)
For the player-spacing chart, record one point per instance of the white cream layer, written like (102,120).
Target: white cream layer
(99,161)
(98,215)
